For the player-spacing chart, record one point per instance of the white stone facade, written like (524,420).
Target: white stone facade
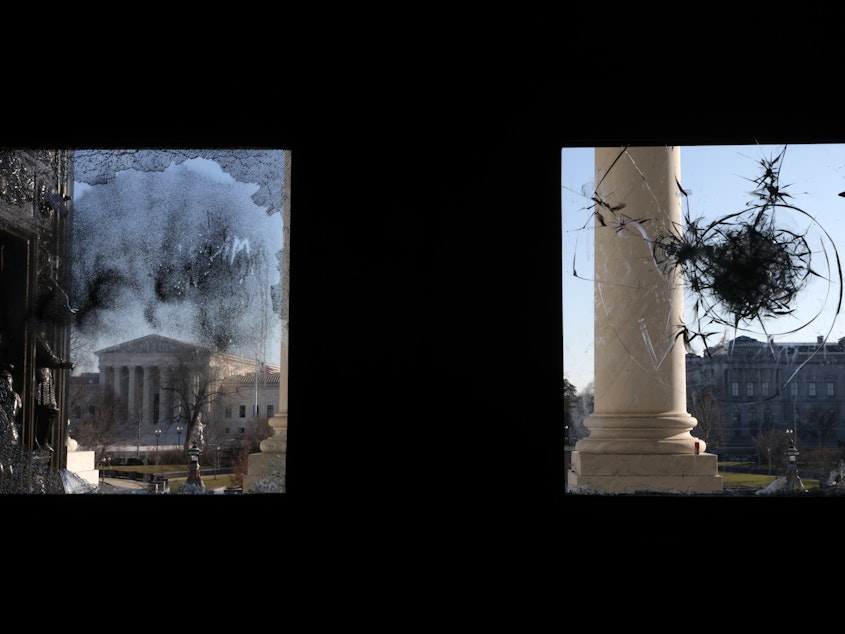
(140,371)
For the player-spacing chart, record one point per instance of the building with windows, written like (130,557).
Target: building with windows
(151,377)
(245,398)
(760,386)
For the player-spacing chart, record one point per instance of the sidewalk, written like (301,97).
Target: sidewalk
(122,485)
(134,487)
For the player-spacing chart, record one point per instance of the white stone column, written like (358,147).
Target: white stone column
(640,436)
(116,380)
(164,394)
(147,403)
(132,397)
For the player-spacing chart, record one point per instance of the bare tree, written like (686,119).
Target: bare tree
(100,429)
(81,397)
(822,424)
(570,393)
(194,384)
(703,404)
(581,407)
(772,444)
(257,430)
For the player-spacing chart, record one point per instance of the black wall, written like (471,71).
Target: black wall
(425,319)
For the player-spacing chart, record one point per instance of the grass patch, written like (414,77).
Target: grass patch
(733,480)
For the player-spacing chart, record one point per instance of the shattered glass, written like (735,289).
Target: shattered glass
(756,253)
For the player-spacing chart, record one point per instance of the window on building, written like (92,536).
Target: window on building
(228,411)
(749,388)
(734,388)
(811,389)
(737,433)
(764,388)
(752,415)
(242,430)
(269,411)
(831,389)
(793,389)
(767,416)
(242,411)
(737,417)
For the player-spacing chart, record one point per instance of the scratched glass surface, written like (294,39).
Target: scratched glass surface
(187,244)
(756,251)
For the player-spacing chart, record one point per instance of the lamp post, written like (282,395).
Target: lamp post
(793,480)
(179,435)
(158,434)
(194,480)
(216,461)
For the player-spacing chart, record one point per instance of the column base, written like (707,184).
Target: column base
(266,473)
(266,470)
(646,473)
(667,434)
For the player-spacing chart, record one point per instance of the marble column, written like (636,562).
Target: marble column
(164,395)
(147,401)
(116,380)
(132,397)
(639,438)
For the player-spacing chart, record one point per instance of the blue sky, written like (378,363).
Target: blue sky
(718,180)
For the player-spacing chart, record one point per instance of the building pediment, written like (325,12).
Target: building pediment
(150,344)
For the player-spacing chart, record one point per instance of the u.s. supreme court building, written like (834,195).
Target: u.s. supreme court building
(147,374)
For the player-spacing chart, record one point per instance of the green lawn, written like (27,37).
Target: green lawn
(731,479)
